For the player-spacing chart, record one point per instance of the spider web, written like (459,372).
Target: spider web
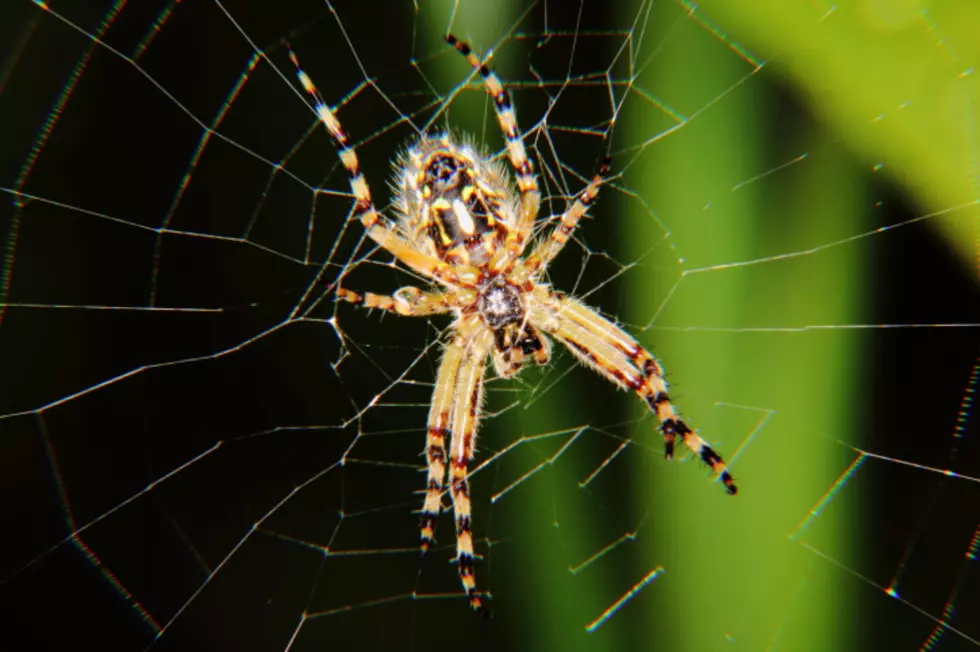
(201,449)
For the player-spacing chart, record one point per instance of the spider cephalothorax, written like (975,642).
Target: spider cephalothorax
(501,305)
(463,225)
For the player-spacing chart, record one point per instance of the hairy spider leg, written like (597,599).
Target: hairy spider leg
(440,416)
(548,248)
(615,354)
(408,301)
(467,402)
(527,184)
(364,208)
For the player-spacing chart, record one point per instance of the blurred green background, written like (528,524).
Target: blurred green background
(837,102)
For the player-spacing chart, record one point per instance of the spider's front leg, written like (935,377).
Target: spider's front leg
(612,352)
(516,152)
(440,415)
(455,411)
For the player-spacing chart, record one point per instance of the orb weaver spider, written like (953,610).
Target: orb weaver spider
(461,224)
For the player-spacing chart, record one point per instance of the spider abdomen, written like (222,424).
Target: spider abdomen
(455,203)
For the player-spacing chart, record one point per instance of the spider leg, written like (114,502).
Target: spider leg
(364,208)
(613,353)
(440,414)
(507,118)
(548,248)
(407,301)
(467,400)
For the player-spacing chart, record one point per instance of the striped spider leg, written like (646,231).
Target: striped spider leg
(527,183)
(616,355)
(364,208)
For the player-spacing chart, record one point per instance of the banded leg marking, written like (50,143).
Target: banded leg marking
(364,208)
(616,355)
(516,152)
(407,301)
(466,415)
(435,445)
(548,248)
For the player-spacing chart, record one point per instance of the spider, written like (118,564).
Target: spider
(462,225)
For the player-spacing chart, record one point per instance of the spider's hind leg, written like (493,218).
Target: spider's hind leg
(605,347)
(440,415)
